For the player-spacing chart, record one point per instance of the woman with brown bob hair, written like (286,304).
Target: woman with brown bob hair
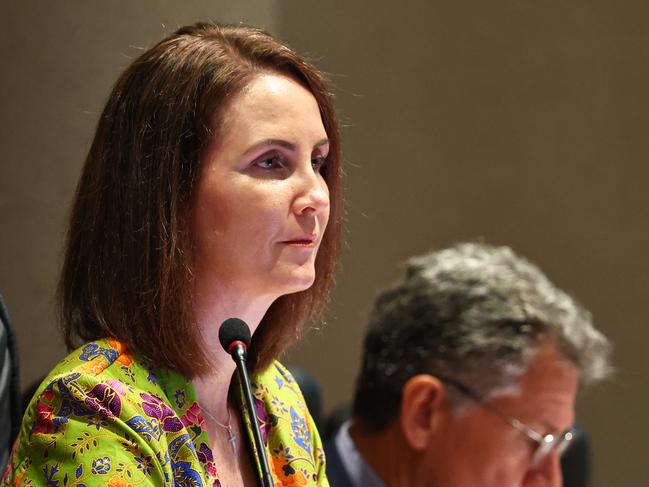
(212,189)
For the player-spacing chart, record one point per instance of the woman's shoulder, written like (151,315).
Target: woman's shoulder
(99,380)
(278,399)
(102,413)
(278,380)
(104,358)
(106,362)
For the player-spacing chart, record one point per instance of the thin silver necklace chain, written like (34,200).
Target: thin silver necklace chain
(232,438)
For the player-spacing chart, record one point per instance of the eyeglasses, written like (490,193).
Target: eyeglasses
(546,444)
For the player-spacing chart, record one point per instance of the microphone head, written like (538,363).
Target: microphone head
(234,330)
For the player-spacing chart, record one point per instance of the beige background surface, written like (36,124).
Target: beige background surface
(519,122)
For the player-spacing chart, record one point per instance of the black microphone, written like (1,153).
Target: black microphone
(234,336)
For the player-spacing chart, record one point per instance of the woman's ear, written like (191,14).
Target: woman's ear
(422,404)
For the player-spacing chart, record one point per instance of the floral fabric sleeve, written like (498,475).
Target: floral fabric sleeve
(103,418)
(75,442)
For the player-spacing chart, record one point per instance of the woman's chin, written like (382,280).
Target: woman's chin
(297,281)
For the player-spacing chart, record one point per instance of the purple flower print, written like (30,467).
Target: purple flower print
(207,459)
(262,418)
(205,454)
(105,400)
(156,408)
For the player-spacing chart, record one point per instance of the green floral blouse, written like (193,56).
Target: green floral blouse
(103,418)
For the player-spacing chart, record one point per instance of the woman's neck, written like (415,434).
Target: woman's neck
(212,307)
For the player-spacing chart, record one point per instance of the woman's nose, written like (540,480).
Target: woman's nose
(312,193)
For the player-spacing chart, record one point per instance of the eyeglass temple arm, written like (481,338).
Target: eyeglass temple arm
(515,423)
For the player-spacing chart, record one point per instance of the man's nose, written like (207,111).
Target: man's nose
(547,474)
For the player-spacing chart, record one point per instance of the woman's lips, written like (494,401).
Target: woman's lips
(309,241)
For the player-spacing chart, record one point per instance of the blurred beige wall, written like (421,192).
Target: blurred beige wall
(519,122)
(59,62)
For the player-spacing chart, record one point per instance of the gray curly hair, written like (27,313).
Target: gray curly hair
(475,314)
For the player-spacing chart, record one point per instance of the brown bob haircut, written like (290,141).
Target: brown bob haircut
(127,272)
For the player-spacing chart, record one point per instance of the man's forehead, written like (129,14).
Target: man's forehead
(545,393)
(549,369)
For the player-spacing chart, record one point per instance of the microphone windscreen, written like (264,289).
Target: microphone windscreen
(232,330)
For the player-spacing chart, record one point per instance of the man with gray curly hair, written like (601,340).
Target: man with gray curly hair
(469,374)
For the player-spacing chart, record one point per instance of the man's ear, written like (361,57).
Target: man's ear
(422,404)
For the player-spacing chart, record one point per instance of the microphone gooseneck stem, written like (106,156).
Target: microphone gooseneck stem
(239,356)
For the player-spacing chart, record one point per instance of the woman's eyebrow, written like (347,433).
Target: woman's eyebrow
(321,143)
(282,143)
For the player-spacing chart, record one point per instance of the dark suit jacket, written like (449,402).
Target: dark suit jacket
(336,472)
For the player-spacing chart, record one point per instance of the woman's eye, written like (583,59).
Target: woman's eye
(317,162)
(274,162)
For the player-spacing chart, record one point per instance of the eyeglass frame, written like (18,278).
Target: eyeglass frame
(545,443)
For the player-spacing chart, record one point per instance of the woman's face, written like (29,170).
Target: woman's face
(262,204)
